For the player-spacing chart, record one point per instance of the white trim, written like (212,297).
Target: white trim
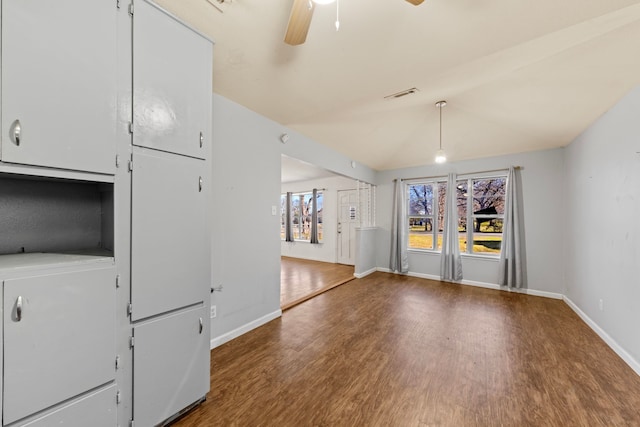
(629,360)
(364,274)
(218,341)
(493,286)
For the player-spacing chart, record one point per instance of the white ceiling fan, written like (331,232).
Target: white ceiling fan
(300,19)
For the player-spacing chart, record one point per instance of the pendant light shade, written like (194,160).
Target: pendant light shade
(441,157)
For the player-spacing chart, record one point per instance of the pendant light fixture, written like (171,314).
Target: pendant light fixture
(441,157)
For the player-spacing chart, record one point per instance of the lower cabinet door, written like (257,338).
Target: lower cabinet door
(98,409)
(170,365)
(59,338)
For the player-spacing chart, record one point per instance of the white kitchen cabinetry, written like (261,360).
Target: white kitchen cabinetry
(58,329)
(172,84)
(105,138)
(59,91)
(171,360)
(170,244)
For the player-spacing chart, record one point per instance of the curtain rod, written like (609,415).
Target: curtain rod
(307,191)
(462,174)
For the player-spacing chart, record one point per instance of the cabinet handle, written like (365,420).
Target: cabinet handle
(19,308)
(201,325)
(15,134)
(201,139)
(200,185)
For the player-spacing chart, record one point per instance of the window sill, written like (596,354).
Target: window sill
(494,258)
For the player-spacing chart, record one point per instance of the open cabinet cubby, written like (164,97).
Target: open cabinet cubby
(56,216)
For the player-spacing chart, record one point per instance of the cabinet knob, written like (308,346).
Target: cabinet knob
(19,309)
(200,185)
(201,139)
(16,130)
(201,325)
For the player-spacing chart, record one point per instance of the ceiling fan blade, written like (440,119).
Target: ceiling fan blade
(415,2)
(299,22)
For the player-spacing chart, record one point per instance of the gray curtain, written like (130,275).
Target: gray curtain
(450,261)
(314,217)
(399,260)
(288,230)
(512,261)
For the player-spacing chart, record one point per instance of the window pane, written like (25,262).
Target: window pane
(462,195)
(442,200)
(296,214)
(421,199)
(488,196)
(490,240)
(283,204)
(420,233)
(320,201)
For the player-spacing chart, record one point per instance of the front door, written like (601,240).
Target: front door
(347,222)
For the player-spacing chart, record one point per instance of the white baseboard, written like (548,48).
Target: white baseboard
(364,274)
(218,341)
(480,284)
(629,360)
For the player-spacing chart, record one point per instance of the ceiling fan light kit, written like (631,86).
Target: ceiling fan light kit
(300,19)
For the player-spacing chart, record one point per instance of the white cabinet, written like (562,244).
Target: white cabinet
(172,84)
(59,337)
(171,361)
(59,91)
(98,409)
(170,243)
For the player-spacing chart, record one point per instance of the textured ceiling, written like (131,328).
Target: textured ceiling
(518,75)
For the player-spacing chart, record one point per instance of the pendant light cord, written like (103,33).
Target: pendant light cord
(441,127)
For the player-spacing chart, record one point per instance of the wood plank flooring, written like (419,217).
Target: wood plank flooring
(392,350)
(302,279)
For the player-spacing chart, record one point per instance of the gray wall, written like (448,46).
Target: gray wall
(245,235)
(542,177)
(602,240)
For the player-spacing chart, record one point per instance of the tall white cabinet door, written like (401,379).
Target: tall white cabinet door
(172,84)
(170,365)
(59,84)
(170,246)
(59,338)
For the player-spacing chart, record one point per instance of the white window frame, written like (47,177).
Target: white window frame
(299,228)
(471,216)
(434,216)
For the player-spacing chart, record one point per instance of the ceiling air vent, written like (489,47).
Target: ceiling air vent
(403,93)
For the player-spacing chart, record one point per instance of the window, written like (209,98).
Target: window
(301,215)
(426,214)
(483,209)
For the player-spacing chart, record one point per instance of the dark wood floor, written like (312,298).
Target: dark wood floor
(301,279)
(391,350)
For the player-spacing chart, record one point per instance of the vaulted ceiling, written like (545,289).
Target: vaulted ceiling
(518,75)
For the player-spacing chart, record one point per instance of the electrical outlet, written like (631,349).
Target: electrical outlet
(601,305)
(213,311)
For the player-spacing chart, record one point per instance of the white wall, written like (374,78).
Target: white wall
(542,177)
(602,240)
(325,251)
(246,236)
